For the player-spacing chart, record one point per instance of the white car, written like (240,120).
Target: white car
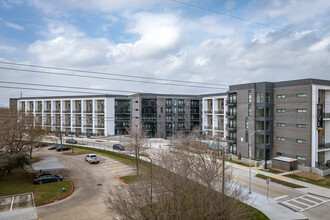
(92,158)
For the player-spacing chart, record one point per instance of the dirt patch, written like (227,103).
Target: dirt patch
(308,175)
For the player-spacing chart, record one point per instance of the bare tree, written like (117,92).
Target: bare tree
(137,140)
(35,132)
(185,185)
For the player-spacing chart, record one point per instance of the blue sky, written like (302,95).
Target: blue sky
(165,39)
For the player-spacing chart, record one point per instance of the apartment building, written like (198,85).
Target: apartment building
(214,116)
(162,114)
(105,115)
(101,115)
(290,118)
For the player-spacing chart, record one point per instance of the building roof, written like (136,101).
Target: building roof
(285,159)
(76,97)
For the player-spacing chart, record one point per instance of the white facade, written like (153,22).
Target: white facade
(214,121)
(81,115)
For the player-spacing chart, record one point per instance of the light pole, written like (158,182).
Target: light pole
(250,155)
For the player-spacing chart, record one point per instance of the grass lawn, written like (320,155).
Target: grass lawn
(275,171)
(324,182)
(239,163)
(77,151)
(292,185)
(129,179)
(21,182)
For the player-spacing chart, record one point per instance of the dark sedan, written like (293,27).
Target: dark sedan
(47,178)
(63,148)
(53,147)
(71,141)
(118,147)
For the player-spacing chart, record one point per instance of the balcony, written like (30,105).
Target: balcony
(88,125)
(231,102)
(56,111)
(325,146)
(231,114)
(77,111)
(66,111)
(77,125)
(29,111)
(99,111)
(208,111)
(67,124)
(231,128)
(218,128)
(47,111)
(326,115)
(88,111)
(218,112)
(231,140)
(324,166)
(207,127)
(99,126)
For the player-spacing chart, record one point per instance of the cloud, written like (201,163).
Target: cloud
(7,49)
(15,26)
(97,5)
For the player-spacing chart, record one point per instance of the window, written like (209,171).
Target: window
(250,110)
(300,110)
(260,97)
(281,96)
(280,124)
(301,158)
(161,109)
(250,97)
(301,95)
(301,125)
(246,136)
(279,154)
(301,141)
(246,123)
(280,110)
(268,97)
(161,102)
(280,138)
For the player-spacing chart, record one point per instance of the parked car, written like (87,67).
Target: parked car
(92,158)
(40,145)
(71,141)
(53,147)
(63,148)
(47,178)
(118,147)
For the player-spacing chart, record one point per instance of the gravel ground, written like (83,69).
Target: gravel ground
(86,202)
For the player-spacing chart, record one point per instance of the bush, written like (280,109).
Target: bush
(239,156)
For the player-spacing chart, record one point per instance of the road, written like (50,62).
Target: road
(86,201)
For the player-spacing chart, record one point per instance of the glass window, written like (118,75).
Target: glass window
(260,125)
(250,110)
(259,139)
(161,102)
(246,123)
(281,96)
(301,110)
(280,124)
(246,137)
(301,95)
(301,158)
(280,138)
(250,97)
(260,112)
(268,99)
(301,141)
(280,110)
(260,97)
(301,125)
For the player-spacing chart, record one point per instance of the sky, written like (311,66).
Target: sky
(222,42)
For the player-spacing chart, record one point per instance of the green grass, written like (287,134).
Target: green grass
(77,151)
(21,182)
(324,183)
(292,185)
(129,179)
(239,163)
(272,171)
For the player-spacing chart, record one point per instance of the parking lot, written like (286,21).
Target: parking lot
(91,181)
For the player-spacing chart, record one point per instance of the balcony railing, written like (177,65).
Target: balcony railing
(218,112)
(99,126)
(88,125)
(231,102)
(324,146)
(326,115)
(231,114)
(77,111)
(207,127)
(99,111)
(218,128)
(208,111)
(76,125)
(88,111)
(231,139)
(321,166)
(47,111)
(56,111)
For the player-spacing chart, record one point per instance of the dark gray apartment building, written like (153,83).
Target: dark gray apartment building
(289,118)
(162,114)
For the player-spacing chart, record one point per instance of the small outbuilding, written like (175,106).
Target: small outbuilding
(285,163)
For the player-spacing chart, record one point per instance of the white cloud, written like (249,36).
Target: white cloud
(7,49)
(15,26)
(97,5)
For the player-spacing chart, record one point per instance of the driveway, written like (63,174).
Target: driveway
(86,202)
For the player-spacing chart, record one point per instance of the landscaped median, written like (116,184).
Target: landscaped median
(19,181)
(292,185)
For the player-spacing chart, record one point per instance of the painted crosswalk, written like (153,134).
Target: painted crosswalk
(305,202)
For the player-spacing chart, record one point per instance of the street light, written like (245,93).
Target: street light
(250,155)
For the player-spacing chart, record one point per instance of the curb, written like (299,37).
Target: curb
(123,180)
(56,200)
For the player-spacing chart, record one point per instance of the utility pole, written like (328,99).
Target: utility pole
(223,171)
(250,155)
